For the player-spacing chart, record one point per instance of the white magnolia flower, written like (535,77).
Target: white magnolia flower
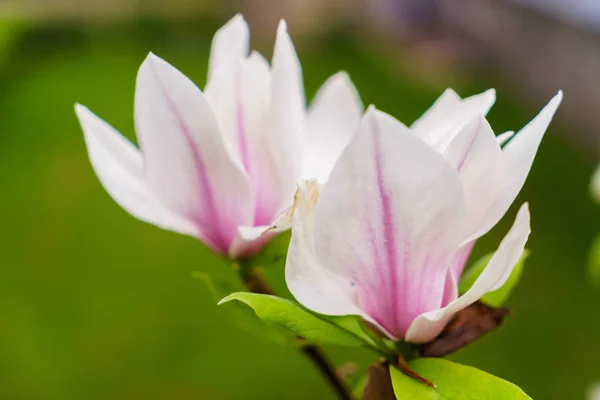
(222,164)
(382,236)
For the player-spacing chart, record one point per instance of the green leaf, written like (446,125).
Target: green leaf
(360,387)
(594,263)
(499,296)
(452,382)
(274,253)
(284,313)
(354,325)
(241,316)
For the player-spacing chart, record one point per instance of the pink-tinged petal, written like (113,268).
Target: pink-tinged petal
(333,118)
(253,119)
(241,102)
(428,325)
(249,241)
(118,165)
(460,260)
(186,161)
(504,137)
(449,113)
(314,285)
(389,220)
(595,185)
(518,155)
(287,112)
(477,157)
(230,44)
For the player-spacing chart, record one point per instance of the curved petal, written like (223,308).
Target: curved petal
(438,125)
(503,138)
(595,185)
(186,161)
(460,260)
(118,165)
(518,155)
(287,112)
(389,219)
(428,325)
(332,119)
(477,157)
(241,102)
(249,241)
(253,119)
(230,44)
(313,284)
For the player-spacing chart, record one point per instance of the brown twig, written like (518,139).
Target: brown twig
(406,370)
(256,283)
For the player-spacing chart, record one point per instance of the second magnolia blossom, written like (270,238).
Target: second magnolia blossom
(385,237)
(221,164)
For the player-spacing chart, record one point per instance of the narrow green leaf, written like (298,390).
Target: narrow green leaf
(594,263)
(284,313)
(499,296)
(452,382)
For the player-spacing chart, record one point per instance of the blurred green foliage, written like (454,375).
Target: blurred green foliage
(97,305)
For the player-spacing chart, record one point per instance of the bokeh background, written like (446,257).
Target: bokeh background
(97,305)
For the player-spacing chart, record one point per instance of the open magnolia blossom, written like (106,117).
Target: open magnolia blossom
(221,165)
(381,239)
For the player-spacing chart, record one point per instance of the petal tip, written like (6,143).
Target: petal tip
(282,27)
(559,96)
(79,108)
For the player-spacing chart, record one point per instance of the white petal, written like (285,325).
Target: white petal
(118,165)
(477,157)
(271,196)
(187,163)
(333,118)
(241,102)
(314,285)
(518,155)
(230,44)
(249,241)
(428,325)
(442,108)
(284,221)
(448,114)
(504,137)
(287,112)
(389,219)
(595,185)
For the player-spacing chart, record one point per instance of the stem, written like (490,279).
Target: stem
(256,283)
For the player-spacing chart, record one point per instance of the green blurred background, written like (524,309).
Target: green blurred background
(97,305)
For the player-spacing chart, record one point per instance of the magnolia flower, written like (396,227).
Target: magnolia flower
(490,177)
(380,238)
(221,165)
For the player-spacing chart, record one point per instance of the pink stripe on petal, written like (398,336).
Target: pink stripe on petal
(389,236)
(211,228)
